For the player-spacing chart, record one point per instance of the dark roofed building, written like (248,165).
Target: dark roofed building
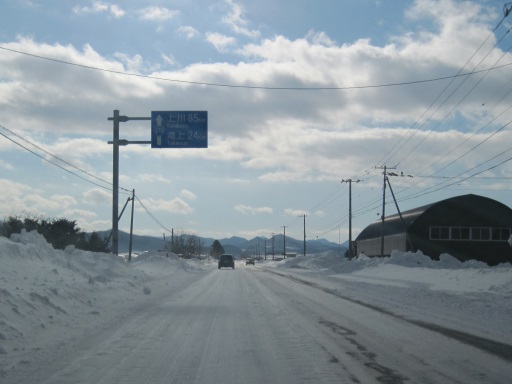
(468,227)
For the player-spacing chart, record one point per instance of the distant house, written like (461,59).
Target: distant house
(469,227)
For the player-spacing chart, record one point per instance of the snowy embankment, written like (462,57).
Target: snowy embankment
(467,296)
(51,298)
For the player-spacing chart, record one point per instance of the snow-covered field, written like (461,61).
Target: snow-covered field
(50,298)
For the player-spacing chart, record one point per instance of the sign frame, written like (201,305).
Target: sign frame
(179,129)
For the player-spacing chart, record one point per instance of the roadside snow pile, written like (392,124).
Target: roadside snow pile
(48,295)
(406,269)
(157,263)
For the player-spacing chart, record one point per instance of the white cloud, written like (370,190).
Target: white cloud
(155,13)
(237,21)
(80,213)
(176,205)
(187,194)
(296,212)
(5,165)
(252,210)
(260,134)
(320,38)
(281,176)
(97,225)
(100,7)
(12,202)
(132,63)
(169,59)
(219,41)
(97,196)
(188,31)
(153,178)
(44,205)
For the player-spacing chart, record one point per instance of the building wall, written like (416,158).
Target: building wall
(372,247)
(468,227)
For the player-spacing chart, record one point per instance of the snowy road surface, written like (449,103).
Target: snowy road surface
(259,325)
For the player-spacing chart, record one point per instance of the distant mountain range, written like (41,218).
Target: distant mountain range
(234,245)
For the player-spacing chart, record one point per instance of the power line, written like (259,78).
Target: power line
(464,179)
(57,165)
(454,107)
(74,167)
(253,86)
(55,157)
(152,216)
(394,149)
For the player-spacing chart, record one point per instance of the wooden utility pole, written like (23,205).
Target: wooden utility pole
(284,242)
(383,207)
(273,253)
(131,229)
(304,216)
(350,247)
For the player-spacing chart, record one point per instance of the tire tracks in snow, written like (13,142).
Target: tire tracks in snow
(496,348)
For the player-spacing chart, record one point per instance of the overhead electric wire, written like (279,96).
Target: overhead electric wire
(58,158)
(123,190)
(242,86)
(464,179)
(451,111)
(443,184)
(492,134)
(152,216)
(250,86)
(393,150)
(57,165)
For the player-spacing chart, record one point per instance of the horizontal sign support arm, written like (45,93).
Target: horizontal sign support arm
(126,142)
(126,118)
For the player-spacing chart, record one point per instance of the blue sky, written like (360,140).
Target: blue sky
(300,96)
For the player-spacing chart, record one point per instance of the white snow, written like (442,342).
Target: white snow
(49,298)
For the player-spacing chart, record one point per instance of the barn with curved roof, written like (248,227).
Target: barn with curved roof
(468,227)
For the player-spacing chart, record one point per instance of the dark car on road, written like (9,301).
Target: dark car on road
(249,261)
(226,261)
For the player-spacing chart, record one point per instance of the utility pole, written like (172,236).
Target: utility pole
(383,207)
(350,248)
(131,229)
(409,242)
(284,241)
(273,254)
(304,216)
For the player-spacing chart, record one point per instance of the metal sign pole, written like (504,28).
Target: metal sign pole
(115,186)
(183,129)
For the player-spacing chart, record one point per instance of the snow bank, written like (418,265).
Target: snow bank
(406,269)
(50,297)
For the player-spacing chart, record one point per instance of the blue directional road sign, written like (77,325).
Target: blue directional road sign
(179,129)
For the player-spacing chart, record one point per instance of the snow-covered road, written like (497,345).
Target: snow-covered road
(264,325)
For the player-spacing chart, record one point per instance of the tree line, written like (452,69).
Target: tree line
(62,232)
(59,232)
(189,246)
